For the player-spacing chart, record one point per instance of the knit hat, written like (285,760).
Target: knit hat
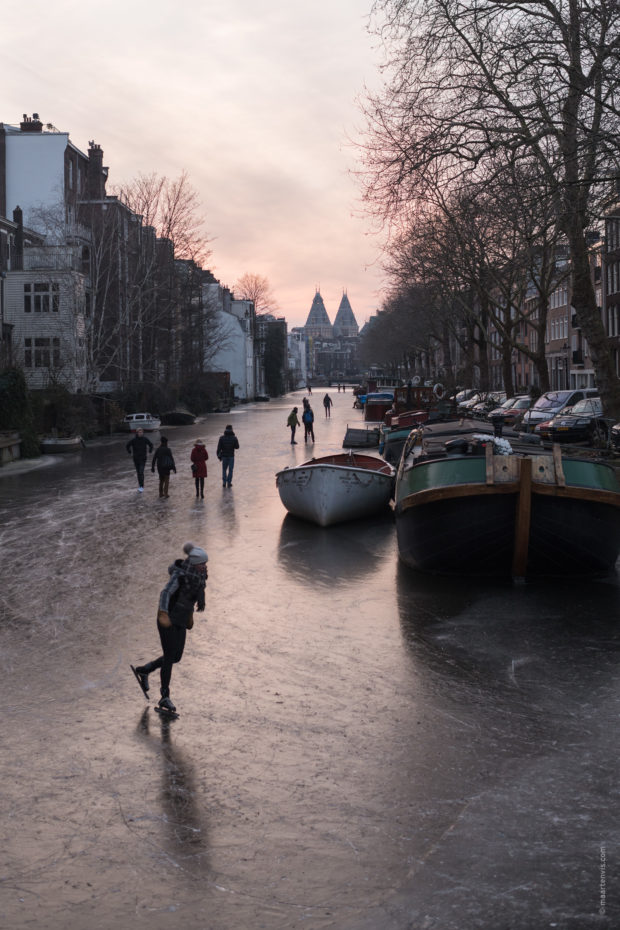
(229,426)
(198,442)
(195,555)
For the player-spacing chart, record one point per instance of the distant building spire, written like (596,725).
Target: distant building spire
(345,324)
(318,323)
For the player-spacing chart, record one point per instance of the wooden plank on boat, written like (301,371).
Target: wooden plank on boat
(522,522)
(560,480)
(543,470)
(505,469)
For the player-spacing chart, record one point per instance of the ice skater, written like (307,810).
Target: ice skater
(308,421)
(199,458)
(185,589)
(327,403)
(138,448)
(164,460)
(226,445)
(293,422)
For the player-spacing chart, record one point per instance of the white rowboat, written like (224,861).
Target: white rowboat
(336,488)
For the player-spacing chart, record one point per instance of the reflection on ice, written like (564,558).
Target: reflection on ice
(335,555)
(185,837)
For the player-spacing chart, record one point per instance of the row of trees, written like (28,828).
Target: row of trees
(147,315)
(489,155)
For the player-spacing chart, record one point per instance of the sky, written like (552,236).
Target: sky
(257,101)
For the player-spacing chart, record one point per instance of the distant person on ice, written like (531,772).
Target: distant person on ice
(327,403)
(185,589)
(138,447)
(226,445)
(199,456)
(293,423)
(165,464)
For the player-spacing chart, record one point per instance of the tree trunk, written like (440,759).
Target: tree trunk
(589,319)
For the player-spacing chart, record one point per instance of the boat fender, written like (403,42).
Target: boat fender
(438,391)
(416,380)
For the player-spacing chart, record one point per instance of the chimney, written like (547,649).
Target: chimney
(31,125)
(96,174)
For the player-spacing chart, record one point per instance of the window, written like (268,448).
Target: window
(41,297)
(42,353)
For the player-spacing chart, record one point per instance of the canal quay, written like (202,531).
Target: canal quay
(359,747)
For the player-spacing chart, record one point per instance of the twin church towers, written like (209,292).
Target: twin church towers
(319,327)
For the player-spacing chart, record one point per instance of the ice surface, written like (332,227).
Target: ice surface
(359,747)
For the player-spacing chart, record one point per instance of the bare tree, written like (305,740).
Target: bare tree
(471,79)
(172,208)
(256,287)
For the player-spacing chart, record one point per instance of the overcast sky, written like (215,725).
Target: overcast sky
(255,100)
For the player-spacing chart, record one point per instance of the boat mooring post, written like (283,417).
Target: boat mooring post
(522,520)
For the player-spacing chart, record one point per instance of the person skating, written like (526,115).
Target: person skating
(293,423)
(184,591)
(226,445)
(308,421)
(327,403)
(164,460)
(138,447)
(199,458)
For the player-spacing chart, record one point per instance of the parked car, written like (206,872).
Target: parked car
(615,436)
(480,410)
(465,407)
(512,410)
(464,395)
(550,404)
(582,423)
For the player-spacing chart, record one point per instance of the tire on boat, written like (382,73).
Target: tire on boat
(439,391)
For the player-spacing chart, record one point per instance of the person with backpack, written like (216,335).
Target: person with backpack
(175,616)
(164,460)
(308,421)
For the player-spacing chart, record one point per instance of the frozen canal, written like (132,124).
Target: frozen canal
(359,748)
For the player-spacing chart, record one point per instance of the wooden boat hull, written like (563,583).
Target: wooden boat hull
(178,418)
(60,446)
(377,405)
(452,517)
(336,488)
(361,438)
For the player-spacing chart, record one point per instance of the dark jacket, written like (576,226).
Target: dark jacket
(227,444)
(185,588)
(308,415)
(138,447)
(164,460)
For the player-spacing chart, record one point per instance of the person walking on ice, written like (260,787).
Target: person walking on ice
(293,422)
(198,457)
(175,616)
(138,448)
(327,403)
(164,460)
(226,445)
(308,421)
